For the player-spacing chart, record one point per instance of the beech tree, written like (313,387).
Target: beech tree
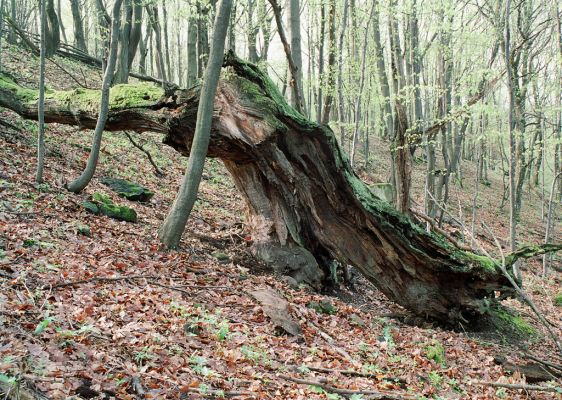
(171,231)
(84,179)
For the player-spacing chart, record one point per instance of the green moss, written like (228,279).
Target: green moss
(485,263)
(507,320)
(102,204)
(436,352)
(24,95)
(120,97)
(129,190)
(558,299)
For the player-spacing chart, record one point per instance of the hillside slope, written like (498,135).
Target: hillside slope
(185,323)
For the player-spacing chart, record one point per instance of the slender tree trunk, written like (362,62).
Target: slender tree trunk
(383,78)
(122,71)
(167,43)
(549,223)
(152,12)
(341,110)
(202,39)
(294,66)
(61,26)
(79,38)
(252,31)
(294,18)
(360,92)
(332,49)
(174,224)
(41,102)
(320,99)
(192,64)
(512,143)
(83,180)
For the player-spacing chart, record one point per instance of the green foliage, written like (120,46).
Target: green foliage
(43,325)
(436,352)
(558,299)
(435,379)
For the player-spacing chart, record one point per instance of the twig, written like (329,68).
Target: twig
(517,386)
(148,155)
(373,394)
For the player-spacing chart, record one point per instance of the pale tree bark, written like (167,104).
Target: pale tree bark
(320,95)
(341,109)
(382,75)
(202,38)
(79,38)
(122,69)
(1,30)
(359,94)
(172,229)
(192,64)
(152,12)
(331,78)
(41,102)
(511,129)
(84,179)
(61,26)
(294,26)
(297,100)
(252,32)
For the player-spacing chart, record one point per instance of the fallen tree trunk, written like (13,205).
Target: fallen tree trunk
(305,205)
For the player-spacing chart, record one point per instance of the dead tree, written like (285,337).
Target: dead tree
(305,205)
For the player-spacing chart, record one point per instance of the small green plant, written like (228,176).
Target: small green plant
(435,379)
(303,369)
(144,355)
(436,352)
(43,324)
(199,366)
(558,299)
(223,331)
(255,355)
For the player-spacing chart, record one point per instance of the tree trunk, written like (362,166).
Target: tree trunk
(192,50)
(294,18)
(122,70)
(152,12)
(331,81)
(78,26)
(305,205)
(82,181)
(41,101)
(172,229)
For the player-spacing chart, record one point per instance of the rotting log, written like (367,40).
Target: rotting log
(305,205)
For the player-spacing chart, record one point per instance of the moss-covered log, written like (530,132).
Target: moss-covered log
(305,205)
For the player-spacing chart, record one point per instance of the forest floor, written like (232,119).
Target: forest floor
(183,324)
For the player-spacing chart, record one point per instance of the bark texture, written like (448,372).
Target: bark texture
(305,205)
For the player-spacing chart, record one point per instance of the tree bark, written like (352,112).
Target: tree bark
(84,179)
(79,39)
(172,229)
(305,205)
(41,101)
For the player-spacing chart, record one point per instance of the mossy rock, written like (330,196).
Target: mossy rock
(102,205)
(129,190)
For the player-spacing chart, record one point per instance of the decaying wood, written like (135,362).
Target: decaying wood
(305,205)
